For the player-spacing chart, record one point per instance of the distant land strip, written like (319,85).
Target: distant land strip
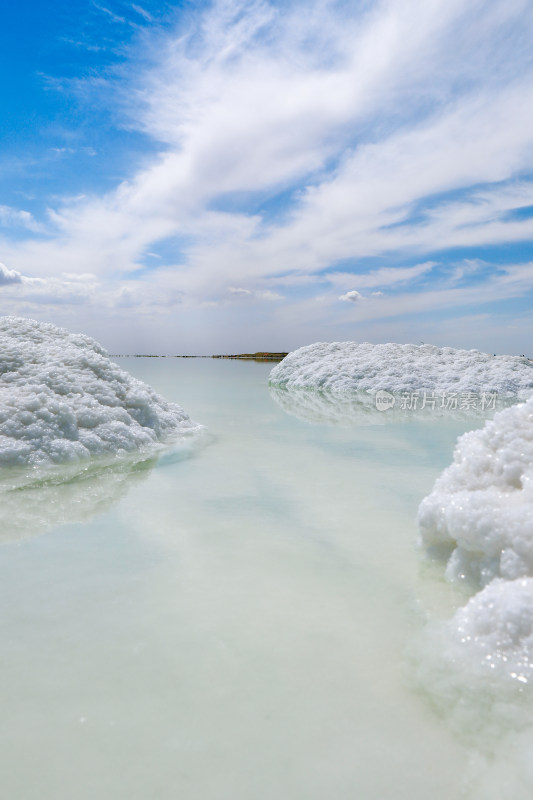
(257,356)
(243,356)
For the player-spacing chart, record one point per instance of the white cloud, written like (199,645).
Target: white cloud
(266,294)
(242,111)
(385,276)
(9,276)
(142,12)
(17,218)
(508,282)
(385,145)
(49,291)
(260,294)
(352,296)
(79,277)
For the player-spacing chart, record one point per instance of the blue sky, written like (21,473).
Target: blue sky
(220,177)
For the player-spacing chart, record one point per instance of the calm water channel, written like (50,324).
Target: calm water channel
(232,622)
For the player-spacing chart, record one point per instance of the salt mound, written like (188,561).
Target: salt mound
(477,667)
(480,513)
(348,366)
(63,400)
(495,630)
(481,507)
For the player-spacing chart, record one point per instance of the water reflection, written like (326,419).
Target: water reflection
(33,500)
(382,408)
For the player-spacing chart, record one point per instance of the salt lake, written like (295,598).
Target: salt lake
(241,618)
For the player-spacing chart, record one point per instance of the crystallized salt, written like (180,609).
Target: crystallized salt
(480,514)
(481,507)
(349,366)
(63,400)
(495,628)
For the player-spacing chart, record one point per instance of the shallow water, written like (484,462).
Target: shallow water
(233,624)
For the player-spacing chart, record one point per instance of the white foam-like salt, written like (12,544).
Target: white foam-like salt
(351,366)
(63,400)
(480,515)
(481,507)
(495,628)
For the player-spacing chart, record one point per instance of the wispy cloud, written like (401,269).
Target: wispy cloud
(13,217)
(385,276)
(142,12)
(296,149)
(111,14)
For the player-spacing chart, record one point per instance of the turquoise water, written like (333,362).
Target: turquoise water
(231,621)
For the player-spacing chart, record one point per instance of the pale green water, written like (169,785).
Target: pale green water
(229,625)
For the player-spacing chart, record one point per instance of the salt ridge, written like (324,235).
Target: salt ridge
(349,366)
(63,400)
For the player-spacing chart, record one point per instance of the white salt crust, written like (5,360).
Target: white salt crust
(63,400)
(481,507)
(495,628)
(480,514)
(349,366)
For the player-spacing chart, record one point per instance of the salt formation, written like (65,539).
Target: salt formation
(63,400)
(349,366)
(481,507)
(496,628)
(480,513)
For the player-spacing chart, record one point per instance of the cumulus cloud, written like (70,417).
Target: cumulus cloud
(352,296)
(49,291)
(9,276)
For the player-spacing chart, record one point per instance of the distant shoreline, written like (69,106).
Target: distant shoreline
(266,356)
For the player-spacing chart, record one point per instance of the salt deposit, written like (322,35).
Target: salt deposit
(481,507)
(349,366)
(477,666)
(495,629)
(63,400)
(480,516)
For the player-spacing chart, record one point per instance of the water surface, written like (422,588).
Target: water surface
(233,621)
